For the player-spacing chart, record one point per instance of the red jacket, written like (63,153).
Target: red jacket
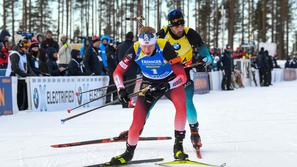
(5,51)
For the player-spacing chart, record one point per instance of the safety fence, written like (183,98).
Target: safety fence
(60,93)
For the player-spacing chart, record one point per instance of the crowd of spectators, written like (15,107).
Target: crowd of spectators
(43,56)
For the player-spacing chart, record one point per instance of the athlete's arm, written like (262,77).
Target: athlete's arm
(177,68)
(122,67)
(194,38)
(196,41)
(181,77)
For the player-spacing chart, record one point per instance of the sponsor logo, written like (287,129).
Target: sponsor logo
(59,96)
(79,97)
(123,65)
(35,98)
(176,83)
(176,46)
(151,62)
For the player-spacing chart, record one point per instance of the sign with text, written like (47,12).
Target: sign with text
(59,93)
(201,82)
(5,96)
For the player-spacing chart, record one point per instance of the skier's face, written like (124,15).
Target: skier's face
(148,49)
(178,30)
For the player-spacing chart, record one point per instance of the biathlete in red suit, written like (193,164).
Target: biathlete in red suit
(153,56)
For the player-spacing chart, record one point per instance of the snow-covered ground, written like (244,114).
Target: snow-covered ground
(250,127)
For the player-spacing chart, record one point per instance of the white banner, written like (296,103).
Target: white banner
(59,93)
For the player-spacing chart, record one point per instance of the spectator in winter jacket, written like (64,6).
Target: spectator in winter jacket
(75,66)
(18,66)
(112,63)
(227,62)
(18,60)
(4,35)
(133,69)
(85,46)
(4,52)
(92,59)
(53,68)
(269,68)
(64,54)
(293,63)
(261,63)
(49,42)
(40,39)
(33,59)
(287,64)
(104,43)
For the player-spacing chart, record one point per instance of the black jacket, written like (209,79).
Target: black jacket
(75,68)
(15,69)
(92,62)
(49,43)
(227,61)
(34,65)
(53,68)
(111,58)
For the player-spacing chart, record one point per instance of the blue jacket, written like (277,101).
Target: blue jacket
(103,55)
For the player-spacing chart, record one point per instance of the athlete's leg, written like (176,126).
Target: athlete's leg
(192,117)
(178,96)
(139,118)
(191,110)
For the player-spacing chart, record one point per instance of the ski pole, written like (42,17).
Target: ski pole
(142,91)
(114,91)
(113,85)
(194,65)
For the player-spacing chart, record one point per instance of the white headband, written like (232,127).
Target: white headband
(147,39)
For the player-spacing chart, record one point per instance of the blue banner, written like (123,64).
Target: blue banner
(2,72)
(5,96)
(201,82)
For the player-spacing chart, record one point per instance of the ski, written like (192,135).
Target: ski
(188,162)
(130,162)
(106,140)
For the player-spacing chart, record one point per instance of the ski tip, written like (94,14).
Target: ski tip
(54,146)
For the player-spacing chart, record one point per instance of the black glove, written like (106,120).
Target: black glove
(157,90)
(123,97)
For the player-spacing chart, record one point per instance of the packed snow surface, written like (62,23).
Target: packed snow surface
(250,127)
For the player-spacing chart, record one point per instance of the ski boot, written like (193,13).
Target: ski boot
(123,158)
(195,139)
(178,149)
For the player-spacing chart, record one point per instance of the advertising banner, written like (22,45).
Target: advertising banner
(5,96)
(289,74)
(59,93)
(201,82)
